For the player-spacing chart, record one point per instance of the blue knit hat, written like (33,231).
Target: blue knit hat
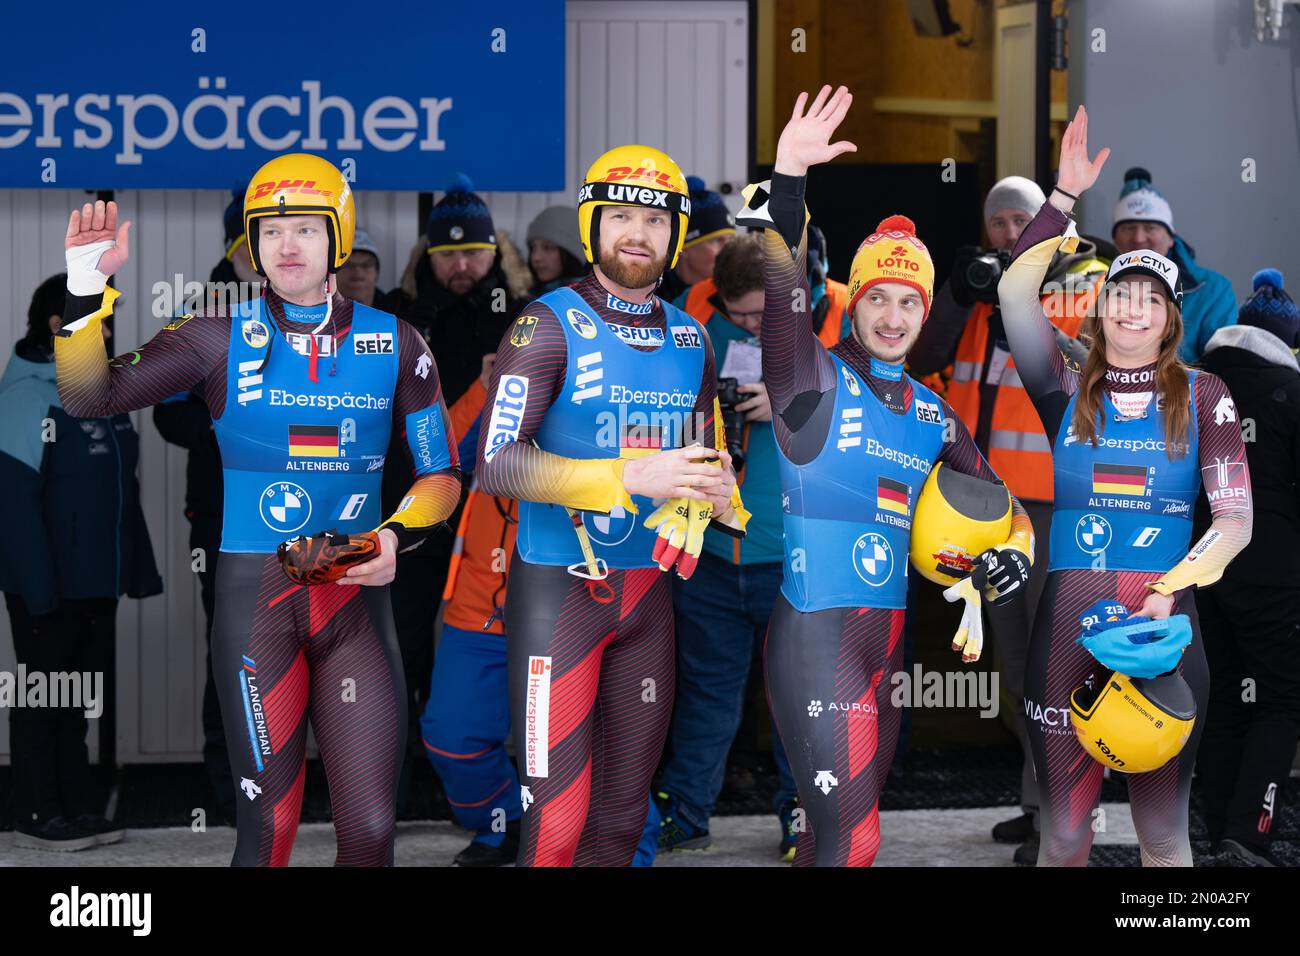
(1139,201)
(710,216)
(460,220)
(1271,308)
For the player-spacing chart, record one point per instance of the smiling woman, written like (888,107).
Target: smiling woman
(1134,433)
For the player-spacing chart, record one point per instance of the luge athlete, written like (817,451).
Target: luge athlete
(303,387)
(593,393)
(857,437)
(1135,434)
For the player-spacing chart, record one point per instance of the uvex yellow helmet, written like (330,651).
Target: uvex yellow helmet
(1133,724)
(958,517)
(299,184)
(633,176)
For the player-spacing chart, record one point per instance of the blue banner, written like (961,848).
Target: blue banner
(398,96)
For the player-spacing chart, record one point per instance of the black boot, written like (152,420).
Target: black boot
(480,854)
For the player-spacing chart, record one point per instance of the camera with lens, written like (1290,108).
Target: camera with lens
(976,273)
(733,422)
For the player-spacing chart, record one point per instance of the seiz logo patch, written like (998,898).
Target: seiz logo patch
(928,412)
(301,187)
(373,343)
(634,335)
(507,413)
(588,383)
(686,336)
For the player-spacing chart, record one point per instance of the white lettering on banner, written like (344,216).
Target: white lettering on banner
(537,718)
(622,395)
(587,383)
(638,195)
(96,127)
(280,398)
(914,462)
(373,343)
(507,413)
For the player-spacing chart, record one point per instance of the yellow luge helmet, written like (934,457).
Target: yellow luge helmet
(1133,724)
(299,184)
(958,517)
(633,176)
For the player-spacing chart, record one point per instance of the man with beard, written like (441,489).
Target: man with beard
(595,392)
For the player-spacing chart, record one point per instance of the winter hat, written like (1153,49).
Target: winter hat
(1140,202)
(892,254)
(1271,308)
(710,216)
(1014,192)
(460,220)
(361,242)
(558,224)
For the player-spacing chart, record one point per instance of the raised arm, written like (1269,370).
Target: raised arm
(794,362)
(1031,335)
(175,360)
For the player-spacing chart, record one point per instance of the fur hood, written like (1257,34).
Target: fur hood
(1255,340)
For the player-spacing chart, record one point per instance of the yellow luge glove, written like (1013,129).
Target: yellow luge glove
(969,638)
(671,521)
(701,515)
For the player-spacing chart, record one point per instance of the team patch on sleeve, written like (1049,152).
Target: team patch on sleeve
(507,413)
(427,441)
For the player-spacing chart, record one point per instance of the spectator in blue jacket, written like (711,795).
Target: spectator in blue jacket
(75,542)
(1144,220)
(723,609)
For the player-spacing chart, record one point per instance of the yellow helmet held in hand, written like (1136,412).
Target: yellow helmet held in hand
(1133,724)
(633,175)
(958,517)
(299,184)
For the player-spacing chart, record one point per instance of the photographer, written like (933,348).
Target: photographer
(723,609)
(965,331)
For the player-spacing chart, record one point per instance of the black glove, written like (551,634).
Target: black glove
(1001,575)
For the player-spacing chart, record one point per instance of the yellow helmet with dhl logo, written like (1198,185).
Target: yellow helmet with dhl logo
(633,175)
(299,184)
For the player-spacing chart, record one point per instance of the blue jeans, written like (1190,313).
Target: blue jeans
(465,725)
(722,612)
